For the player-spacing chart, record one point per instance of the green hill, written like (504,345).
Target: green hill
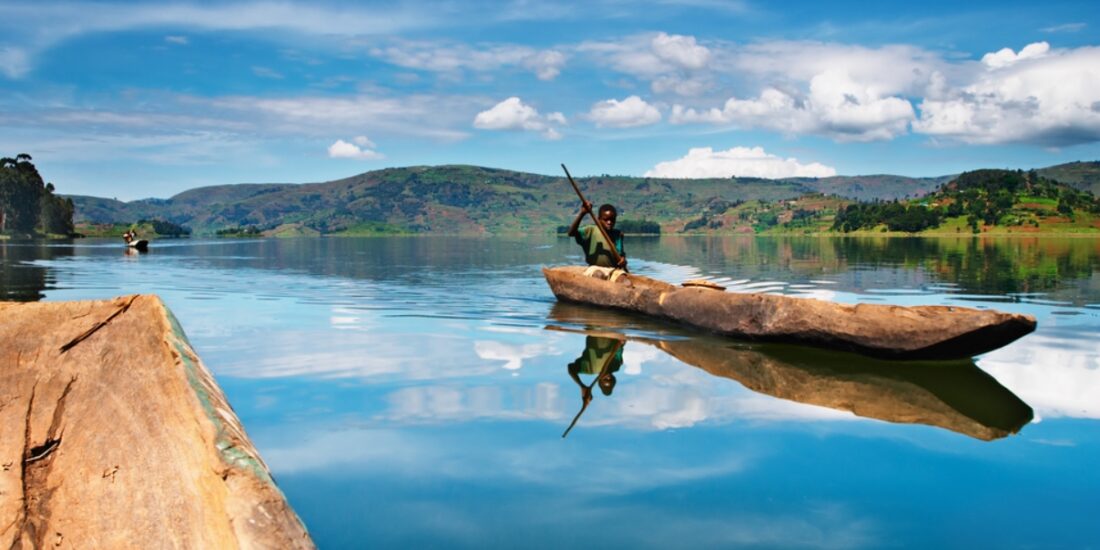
(460,199)
(442,199)
(989,201)
(1081,175)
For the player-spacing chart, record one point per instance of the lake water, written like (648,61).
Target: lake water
(413,392)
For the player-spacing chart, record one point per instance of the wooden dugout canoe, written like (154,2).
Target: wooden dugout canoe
(114,434)
(877,330)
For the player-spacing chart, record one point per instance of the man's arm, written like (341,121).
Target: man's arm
(586,207)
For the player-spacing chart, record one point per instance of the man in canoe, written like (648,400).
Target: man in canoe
(597,251)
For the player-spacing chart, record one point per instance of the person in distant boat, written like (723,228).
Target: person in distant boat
(596,250)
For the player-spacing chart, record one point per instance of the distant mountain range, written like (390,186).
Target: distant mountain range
(474,200)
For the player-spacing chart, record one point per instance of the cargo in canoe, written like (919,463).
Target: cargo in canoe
(877,330)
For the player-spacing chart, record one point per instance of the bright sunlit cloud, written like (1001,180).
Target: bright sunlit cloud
(362,149)
(514,114)
(630,112)
(704,162)
(1040,95)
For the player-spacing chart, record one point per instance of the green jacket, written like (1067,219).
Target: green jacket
(597,353)
(596,250)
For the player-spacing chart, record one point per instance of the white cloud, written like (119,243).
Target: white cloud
(896,70)
(344,150)
(704,162)
(681,51)
(1057,375)
(630,112)
(649,56)
(1005,56)
(514,114)
(836,106)
(176,39)
(546,64)
(512,354)
(447,57)
(1040,96)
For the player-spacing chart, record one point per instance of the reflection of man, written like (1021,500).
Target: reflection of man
(601,357)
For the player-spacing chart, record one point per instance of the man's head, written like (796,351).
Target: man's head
(607,383)
(607,216)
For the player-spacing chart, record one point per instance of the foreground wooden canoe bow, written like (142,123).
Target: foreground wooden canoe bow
(918,332)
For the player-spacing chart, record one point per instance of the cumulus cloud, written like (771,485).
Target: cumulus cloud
(630,112)
(1005,56)
(1040,95)
(361,149)
(704,162)
(836,106)
(514,114)
(447,57)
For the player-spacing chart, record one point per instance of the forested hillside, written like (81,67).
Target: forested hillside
(443,199)
(982,200)
(474,200)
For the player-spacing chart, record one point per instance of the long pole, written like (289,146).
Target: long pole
(603,231)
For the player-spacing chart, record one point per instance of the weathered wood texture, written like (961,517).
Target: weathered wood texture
(919,332)
(114,435)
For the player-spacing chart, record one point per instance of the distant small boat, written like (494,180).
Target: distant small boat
(877,330)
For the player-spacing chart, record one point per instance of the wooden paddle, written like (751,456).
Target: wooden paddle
(584,403)
(603,231)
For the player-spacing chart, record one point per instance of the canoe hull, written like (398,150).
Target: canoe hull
(919,332)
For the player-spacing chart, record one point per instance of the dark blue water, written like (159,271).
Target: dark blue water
(414,391)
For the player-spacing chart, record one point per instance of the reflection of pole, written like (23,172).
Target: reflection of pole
(603,231)
(588,393)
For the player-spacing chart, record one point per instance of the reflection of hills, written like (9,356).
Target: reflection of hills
(1001,265)
(957,396)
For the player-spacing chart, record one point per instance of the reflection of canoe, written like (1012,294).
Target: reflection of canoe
(919,332)
(957,395)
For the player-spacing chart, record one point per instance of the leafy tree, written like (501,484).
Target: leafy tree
(20,190)
(26,204)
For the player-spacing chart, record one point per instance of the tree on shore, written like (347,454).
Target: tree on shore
(27,203)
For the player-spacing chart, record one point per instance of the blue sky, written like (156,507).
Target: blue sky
(147,99)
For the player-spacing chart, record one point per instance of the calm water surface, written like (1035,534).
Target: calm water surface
(414,391)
